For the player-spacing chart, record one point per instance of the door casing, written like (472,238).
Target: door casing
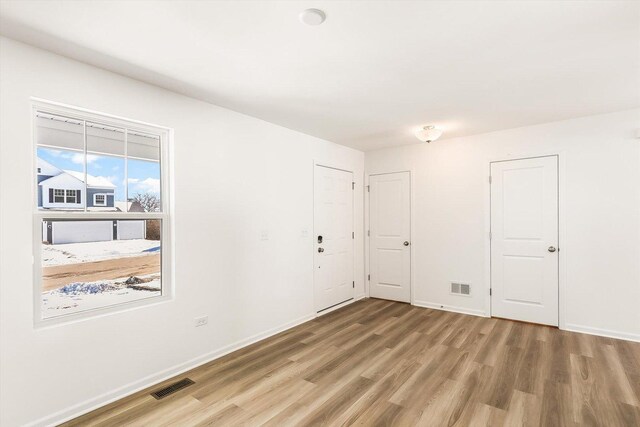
(562,240)
(527,248)
(368,228)
(315,233)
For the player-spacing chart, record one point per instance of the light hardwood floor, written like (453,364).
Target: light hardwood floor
(378,362)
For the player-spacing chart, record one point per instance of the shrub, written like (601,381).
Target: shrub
(153,229)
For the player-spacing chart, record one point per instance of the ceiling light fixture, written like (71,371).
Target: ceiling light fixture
(428,133)
(312,17)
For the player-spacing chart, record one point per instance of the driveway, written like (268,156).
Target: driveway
(61,275)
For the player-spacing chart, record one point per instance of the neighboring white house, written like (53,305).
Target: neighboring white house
(65,190)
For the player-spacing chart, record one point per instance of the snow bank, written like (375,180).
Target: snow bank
(77,297)
(73,253)
(86,288)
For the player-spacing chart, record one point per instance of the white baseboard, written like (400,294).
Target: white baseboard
(452,308)
(602,332)
(136,386)
(568,327)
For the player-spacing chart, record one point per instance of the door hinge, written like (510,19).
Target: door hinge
(368,188)
(353,185)
(489,291)
(354,283)
(490,236)
(353,234)
(368,277)
(490,180)
(368,233)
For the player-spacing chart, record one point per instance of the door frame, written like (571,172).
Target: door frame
(562,240)
(314,234)
(367,226)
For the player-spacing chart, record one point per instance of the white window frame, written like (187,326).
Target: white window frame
(166,216)
(95,199)
(63,195)
(67,196)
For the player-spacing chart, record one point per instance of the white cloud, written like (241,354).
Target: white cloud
(54,153)
(78,158)
(149,185)
(112,179)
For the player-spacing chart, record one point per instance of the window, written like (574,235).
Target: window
(106,245)
(71,196)
(58,196)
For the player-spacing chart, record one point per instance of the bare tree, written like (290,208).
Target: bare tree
(150,202)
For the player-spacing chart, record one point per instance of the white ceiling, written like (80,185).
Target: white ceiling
(373,72)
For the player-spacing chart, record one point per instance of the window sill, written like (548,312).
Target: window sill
(97,313)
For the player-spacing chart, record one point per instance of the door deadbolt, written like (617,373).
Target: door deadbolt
(551,249)
(319,239)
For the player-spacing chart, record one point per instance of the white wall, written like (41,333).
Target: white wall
(600,216)
(235,176)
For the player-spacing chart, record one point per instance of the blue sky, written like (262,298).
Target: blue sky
(143,176)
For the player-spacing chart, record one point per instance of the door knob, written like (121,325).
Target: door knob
(551,249)
(406,243)
(320,250)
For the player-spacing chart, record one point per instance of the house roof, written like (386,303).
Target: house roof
(63,180)
(92,181)
(130,206)
(47,169)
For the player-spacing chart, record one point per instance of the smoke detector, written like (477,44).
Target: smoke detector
(312,17)
(428,133)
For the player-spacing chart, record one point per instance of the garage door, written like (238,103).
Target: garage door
(81,231)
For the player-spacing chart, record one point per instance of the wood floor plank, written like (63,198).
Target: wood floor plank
(335,406)
(495,340)
(381,363)
(524,410)
(529,377)
(502,384)
(469,394)
(556,405)
(486,415)
(622,387)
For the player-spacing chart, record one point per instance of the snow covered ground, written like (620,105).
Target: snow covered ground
(73,253)
(77,297)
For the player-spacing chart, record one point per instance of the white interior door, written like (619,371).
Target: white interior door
(524,240)
(333,236)
(390,231)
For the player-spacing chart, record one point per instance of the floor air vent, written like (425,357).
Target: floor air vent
(460,288)
(172,388)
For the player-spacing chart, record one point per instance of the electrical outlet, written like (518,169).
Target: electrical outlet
(201,321)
